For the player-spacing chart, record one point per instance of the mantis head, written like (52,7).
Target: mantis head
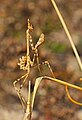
(30,26)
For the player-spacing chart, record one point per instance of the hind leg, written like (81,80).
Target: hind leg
(18,90)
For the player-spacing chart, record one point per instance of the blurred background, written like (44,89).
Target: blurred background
(51,100)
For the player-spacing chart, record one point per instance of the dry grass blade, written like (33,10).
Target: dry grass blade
(62,82)
(67,33)
(71,99)
(37,83)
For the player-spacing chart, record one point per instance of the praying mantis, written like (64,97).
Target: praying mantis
(26,64)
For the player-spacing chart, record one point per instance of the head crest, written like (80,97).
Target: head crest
(30,26)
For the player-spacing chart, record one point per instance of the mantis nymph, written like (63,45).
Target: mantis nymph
(26,63)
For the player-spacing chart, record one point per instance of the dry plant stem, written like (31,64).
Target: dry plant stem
(62,82)
(67,91)
(67,33)
(71,42)
(70,98)
(38,81)
(27,115)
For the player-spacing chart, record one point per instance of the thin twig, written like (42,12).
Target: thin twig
(67,33)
